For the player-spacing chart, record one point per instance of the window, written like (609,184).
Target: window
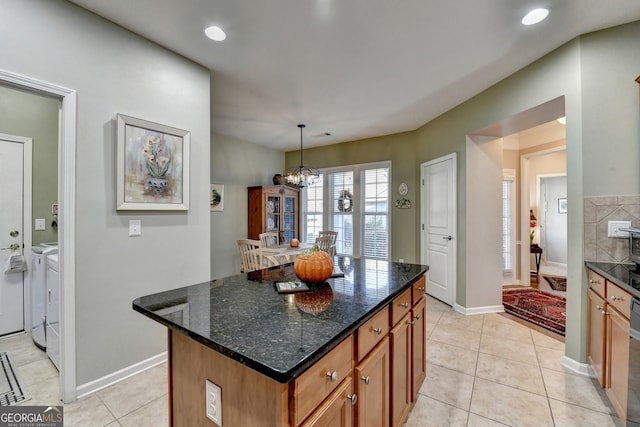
(354,201)
(508,221)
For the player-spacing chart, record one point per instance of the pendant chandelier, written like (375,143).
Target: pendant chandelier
(302,175)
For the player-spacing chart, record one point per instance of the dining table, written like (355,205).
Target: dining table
(282,254)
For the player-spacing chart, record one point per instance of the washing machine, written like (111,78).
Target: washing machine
(53,310)
(39,290)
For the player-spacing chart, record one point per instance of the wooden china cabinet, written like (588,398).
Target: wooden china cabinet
(273,208)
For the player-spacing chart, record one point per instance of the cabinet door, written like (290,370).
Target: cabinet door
(336,411)
(289,217)
(401,370)
(372,387)
(418,348)
(595,337)
(617,361)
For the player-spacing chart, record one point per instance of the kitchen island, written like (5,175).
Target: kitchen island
(295,359)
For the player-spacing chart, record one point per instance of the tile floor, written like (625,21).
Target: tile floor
(482,370)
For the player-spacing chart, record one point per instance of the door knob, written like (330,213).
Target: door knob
(14,233)
(447,237)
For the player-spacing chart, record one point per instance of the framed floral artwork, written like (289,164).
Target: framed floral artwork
(152,166)
(216,197)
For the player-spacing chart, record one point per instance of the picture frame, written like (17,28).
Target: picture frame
(562,206)
(152,167)
(216,197)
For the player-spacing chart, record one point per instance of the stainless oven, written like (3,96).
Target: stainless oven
(633,391)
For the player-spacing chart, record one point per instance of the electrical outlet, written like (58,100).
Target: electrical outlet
(214,402)
(614,228)
(40,224)
(135,227)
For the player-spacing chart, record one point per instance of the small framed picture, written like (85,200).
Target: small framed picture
(216,197)
(562,206)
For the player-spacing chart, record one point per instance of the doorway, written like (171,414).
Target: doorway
(66,217)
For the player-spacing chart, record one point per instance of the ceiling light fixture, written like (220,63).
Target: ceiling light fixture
(535,16)
(215,33)
(301,175)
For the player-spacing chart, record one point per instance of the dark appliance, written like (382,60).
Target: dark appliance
(633,390)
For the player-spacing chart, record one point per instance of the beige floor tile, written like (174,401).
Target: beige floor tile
(154,414)
(497,317)
(435,305)
(520,351)
(568,415)
(476,420)
(429,412)
(130,394)
(114,424)
(542,340)
(460,321)
(551,358)
(575,389)
(448,386)
(452,357)
(44,393)
(511,331)
(38,371)
(523,376)
(463,338)
(88,412)
(509,405)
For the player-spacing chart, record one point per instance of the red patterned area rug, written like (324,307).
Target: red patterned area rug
(536,306)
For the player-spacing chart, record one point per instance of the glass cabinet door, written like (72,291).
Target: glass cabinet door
(273,213)
(289,218)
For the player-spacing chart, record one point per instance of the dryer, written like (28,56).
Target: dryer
(53,310)
(39,291)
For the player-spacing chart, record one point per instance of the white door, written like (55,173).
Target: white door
(11,217)
(438,243)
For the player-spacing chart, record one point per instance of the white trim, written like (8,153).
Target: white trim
(489,309)
(27,208)
(117,376)
(66,222)
(577,367)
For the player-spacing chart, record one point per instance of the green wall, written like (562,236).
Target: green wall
(36,116)
(237,164)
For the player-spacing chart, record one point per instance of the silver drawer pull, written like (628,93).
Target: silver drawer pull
(598,307)
(615,298)
(377,330)
(404,305)
(332,376)
(417,317)
(604,313)
(353,398)
(366,379)
(594,281)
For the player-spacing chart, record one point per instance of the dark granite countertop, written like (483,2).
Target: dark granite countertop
(280,335)
(618,274)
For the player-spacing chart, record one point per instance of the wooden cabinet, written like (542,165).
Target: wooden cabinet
(372,387)
(401,370)
(418,347)
(608,338)
(595,339)
(337,410)
(273,208)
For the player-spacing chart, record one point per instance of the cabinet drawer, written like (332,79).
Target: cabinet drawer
(372,332)
(311,388)
(619,299)
(418,290)
(596,282)
(400,306)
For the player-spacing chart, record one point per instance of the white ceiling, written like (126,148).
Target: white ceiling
(353,68)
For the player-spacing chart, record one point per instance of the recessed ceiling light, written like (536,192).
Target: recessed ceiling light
(215,33)
(535,16)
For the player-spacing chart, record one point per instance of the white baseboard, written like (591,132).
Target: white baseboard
(577,367)
(479,310)
(110,379)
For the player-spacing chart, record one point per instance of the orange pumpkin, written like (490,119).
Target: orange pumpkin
(315,267)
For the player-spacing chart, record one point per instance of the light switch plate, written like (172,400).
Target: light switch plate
(40,225)
(613,229)
(135,227)
(214,402)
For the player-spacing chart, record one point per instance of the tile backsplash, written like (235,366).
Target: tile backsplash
(598,211)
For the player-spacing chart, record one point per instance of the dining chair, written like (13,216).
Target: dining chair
(269,239)
(250,254)
(334,238)
(324,244)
